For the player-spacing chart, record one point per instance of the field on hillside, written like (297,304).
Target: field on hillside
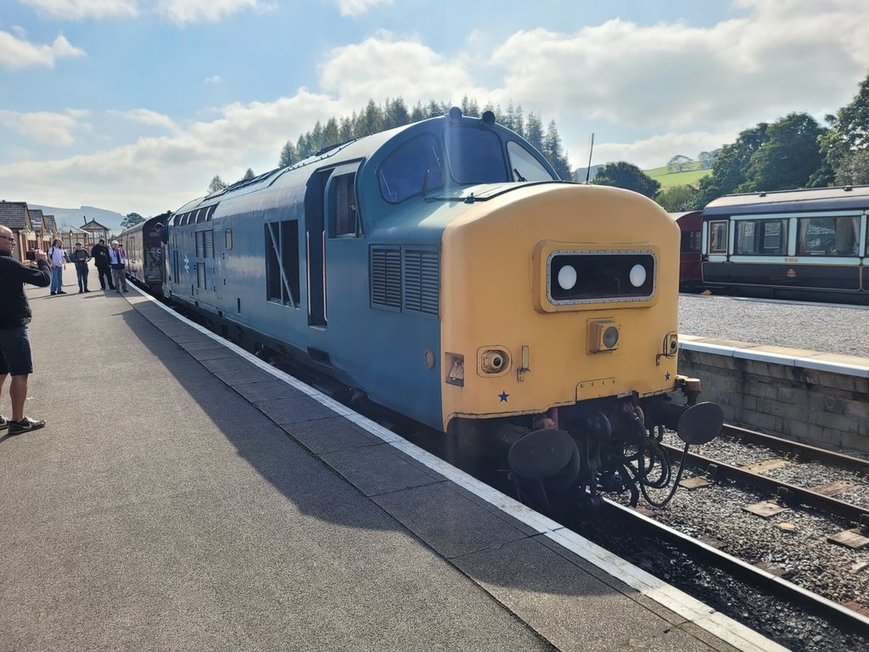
(669,179)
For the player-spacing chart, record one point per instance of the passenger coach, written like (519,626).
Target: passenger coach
(796,244)
(144,246)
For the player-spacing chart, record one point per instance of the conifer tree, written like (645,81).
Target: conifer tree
(288,155)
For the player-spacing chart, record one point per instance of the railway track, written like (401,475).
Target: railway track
(735,581)
(756,474)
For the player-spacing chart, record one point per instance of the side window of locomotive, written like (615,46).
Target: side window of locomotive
(828,236)
(523,165)
(475,155)
(718,237)
(763,237)
(344,204)
(413,168)
(282,262)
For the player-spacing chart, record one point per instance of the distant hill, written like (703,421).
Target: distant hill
(580,173)
(79,216)
(691,174)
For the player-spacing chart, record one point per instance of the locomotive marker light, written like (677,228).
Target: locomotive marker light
(637,275)
(567,277)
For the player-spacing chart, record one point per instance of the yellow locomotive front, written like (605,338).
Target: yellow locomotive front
(559,315)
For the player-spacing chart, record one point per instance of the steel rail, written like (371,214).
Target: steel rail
(805,451)
(790,494)
(815,604)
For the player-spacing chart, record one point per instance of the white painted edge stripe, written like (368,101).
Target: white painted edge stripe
(842,368)
(691,609)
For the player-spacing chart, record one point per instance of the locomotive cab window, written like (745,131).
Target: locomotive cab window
(718,237)
(523,165)
(414,168)
(475,155)
(828,236)
(761,237)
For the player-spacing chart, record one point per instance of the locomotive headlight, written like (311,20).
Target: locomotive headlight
(637,275)
(603,335)
(610,337)
(567,277)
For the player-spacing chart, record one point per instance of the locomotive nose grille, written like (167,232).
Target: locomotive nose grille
(591,277)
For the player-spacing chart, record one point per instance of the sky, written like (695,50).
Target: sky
(134,105)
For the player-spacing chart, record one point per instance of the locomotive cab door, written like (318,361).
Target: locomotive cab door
(315,247)
(330,213)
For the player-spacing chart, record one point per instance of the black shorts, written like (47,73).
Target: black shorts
(15,351)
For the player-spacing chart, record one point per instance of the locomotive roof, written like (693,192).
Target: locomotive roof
(786,201)
(363,150)
(351,150)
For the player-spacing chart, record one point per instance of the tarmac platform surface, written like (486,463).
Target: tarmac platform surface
(182,496)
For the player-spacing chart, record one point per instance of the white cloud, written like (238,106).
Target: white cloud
(675,76)
(43,127)
(17,52)
(148,117)
(159,173)
(214,80)
(79,9)
(354,73)
(183,12)
(359,7)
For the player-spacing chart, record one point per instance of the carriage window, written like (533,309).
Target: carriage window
(690,241)
(524,166)
(344,202)
(717,237)
(764,237)
(413,168)
(475,155)
(827,236)
(227,239)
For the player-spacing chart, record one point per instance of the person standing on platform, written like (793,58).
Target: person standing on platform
(15,358)
(118,261)
(80,258)
(56,258)
(100,254)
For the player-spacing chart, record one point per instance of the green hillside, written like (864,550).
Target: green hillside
(690,176)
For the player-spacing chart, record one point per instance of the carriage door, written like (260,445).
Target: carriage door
(315,247)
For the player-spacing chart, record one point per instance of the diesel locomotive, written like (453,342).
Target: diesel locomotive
(444,271)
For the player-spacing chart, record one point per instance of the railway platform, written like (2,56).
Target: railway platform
(184,495)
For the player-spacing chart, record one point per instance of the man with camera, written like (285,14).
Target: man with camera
(15,314)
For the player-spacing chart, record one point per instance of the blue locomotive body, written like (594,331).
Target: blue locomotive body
(306,258)
(444,271)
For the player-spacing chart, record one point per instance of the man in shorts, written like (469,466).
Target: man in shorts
(15,315)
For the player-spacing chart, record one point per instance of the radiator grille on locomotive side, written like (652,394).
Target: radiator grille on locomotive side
(421,281)
(405,279)
(385,277)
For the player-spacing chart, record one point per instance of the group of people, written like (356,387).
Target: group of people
(44,268)
(110,262)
